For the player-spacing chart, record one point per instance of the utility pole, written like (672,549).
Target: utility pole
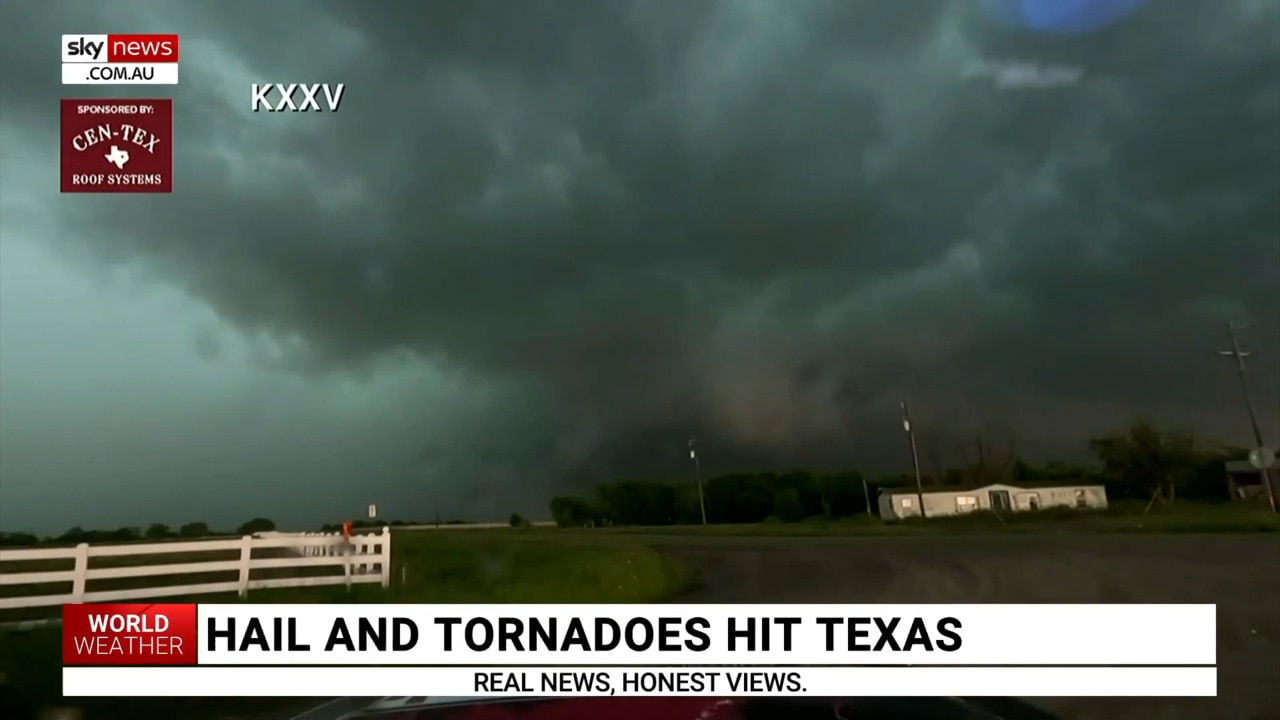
(697,476)
(1239,356)
(915,458)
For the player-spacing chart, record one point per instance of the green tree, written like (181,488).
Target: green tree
(256,525)
(988,456)
(18,539)
(843,494)
(787,506)
(124,534)
(570,511)
(1149,459)
(640,502)
(741,497)
(157,531)
(516,520)
(194,530)
(75,535)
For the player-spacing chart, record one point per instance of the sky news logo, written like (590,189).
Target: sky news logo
(120,59)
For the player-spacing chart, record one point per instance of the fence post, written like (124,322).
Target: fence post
(246,562)
(385,560)
(348,551)
(81,572)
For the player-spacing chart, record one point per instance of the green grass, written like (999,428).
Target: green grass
(556,566)
(524,566)
(514,566)
(1123,517)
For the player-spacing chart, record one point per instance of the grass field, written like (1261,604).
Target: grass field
(1119,518)
(514,566)
(555,566)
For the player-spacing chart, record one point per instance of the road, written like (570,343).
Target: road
(1238,573)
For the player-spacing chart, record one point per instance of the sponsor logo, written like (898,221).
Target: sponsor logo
(117,146)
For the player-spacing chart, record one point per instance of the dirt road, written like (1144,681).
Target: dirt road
(1240,574)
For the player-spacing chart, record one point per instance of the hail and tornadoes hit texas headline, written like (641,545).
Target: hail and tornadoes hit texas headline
(226,634)
(660,650)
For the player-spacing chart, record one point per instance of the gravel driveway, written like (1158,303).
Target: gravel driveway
(1238,573)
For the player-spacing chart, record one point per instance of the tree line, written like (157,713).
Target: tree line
(1140,462)
(190,531)
(154,531)
(376,524)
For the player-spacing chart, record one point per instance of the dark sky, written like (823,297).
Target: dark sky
(544,242)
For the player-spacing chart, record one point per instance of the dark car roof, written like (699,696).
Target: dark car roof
(772,708)
(388,705)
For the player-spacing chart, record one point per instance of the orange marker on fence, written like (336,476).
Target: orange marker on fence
(346,530)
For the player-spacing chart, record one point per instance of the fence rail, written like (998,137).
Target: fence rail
(366,558)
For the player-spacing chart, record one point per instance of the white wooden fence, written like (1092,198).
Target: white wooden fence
(362,565)
(365,559)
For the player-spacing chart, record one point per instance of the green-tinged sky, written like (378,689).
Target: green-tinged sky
(546,242)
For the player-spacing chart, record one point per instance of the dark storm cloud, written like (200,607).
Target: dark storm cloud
(761,222)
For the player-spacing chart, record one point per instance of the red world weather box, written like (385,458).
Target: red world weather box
(129,634)
(117,146)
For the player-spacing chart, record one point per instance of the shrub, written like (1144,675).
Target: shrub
(517,520)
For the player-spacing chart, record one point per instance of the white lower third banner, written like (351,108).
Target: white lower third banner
(735,681)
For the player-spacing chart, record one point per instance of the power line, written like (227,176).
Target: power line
(1262,456)
(915,457)
(697,473)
